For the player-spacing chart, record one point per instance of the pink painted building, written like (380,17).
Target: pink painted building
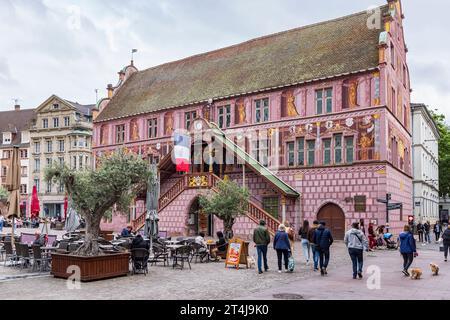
(317,119)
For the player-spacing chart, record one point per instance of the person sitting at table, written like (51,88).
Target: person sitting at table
(139,243)
(127,232)
(200,239)
(39,240)
(221,246)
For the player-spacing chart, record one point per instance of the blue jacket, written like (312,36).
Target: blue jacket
(323,238)
(407,243)
(281,241)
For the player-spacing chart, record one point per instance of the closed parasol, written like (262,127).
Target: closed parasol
(151,223)
(73,219)
(35,206)
(65,208)
(13,186)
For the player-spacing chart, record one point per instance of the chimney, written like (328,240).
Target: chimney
(17,107)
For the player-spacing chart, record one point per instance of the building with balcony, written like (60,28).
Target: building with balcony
(426,164)
(314,121)
(61,133)
(14,131)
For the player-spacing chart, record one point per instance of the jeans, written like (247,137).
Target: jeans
(280,255)
(306,246)
(427,237)
(316,255)
(1,226)
(407,260)
(261,249)
(324,257)
(446,249)
(437,235)
(420,236)
(357,260)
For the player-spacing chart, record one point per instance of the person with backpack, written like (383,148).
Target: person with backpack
(323,240)
(314,250)
(282,245)
(420,230)
(303,233)
(446,242)
(407,248)
(356,242)
(261,238)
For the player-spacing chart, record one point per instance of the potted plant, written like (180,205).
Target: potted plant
(115,182)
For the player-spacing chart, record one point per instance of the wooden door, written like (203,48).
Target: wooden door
(334,218)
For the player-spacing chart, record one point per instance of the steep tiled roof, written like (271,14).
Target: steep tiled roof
(15,121)
(317,51)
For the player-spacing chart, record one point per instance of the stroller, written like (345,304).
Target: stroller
(390,244)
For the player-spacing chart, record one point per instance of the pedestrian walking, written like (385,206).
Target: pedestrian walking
(1,222)
(314,250)
(427,229)
(357,243)
(323,239)
(261,238)
(446,242)
(306,247)
(407,248)
(420,230)
(283,247)
(437,229)
(291,235)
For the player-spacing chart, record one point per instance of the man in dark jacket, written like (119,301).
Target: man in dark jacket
(446,242)
(139,243)
(323,240)
(261,238)
(420,230)
(314,250)
(427,229)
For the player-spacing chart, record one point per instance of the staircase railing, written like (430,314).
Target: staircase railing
(172,193)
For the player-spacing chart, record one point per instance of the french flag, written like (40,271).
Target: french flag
(182,152)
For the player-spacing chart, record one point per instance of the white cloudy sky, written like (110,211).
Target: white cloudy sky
(46,49)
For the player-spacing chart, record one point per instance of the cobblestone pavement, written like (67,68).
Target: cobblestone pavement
(214,281)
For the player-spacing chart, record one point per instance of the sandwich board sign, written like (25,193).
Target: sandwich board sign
(235,249)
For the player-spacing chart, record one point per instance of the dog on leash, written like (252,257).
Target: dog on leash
(251,262)
(416,273)
(434,269)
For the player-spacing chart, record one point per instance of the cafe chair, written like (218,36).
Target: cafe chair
(139,260)
(182,254)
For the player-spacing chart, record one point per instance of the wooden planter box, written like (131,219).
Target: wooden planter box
(92,268)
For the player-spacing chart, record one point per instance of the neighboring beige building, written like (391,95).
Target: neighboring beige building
(14,126)
(62,133)
(426,164)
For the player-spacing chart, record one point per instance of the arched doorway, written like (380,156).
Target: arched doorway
(334,217)
(198,221)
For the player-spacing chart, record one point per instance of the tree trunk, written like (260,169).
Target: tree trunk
(90,246)
(228,228)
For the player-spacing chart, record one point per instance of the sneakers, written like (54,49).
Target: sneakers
(445,260)
(354,277)
(322,272)
(406,273)
(260,272)
(360,275)
(325,270)
(279,271)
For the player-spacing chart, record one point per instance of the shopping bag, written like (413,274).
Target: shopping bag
(291,264)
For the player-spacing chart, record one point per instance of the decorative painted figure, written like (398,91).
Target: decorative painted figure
(353,94)
(134,130)
(169,124)
(365,143)
(291,108)
(242,114)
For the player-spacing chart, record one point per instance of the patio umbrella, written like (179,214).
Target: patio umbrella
(35,206)
(13,186)
(73,219)
(65,207)
(151,223)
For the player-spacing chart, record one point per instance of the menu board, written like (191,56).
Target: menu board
(235,248)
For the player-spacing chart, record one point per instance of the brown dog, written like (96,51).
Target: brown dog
(434,269)
(416,273)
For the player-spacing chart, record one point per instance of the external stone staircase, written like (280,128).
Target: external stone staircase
(207,181)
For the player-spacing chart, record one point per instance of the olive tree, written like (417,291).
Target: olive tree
(227,202)
(116,182)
